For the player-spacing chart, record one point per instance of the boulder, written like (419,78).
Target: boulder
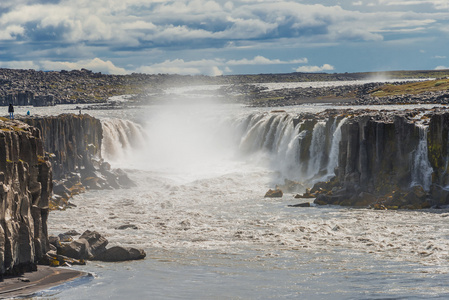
(118,253)
(89,244)
(97,243)
(306,204)
(78,249)
(274,193)
(439,194)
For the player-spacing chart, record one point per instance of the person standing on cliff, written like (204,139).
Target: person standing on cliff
(11,111)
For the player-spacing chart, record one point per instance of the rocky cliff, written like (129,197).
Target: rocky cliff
(73,145)
(25,189)
(70,140)
(391,160)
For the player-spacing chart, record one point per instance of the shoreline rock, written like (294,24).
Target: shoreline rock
(91,245)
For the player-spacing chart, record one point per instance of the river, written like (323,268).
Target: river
(202,170)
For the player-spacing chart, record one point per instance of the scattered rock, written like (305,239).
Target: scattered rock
(127,226)
(91,245)
(306,204)
(118,253)
(274,193)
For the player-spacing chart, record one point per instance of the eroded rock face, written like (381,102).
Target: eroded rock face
(71,139)
(395,162)
(73,145)
(25,188)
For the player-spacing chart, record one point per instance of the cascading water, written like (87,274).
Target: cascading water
(421,169)
(175,140)
(333,155)
(316,150)
(121,140)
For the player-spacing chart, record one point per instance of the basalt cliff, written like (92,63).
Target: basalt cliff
(73,144)
(385,159)
(43,162)
(25,189)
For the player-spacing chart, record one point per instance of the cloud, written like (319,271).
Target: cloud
(213,67)
(313,69)
(179,66)
(11,32)
(437,4)
(133,32)
(440,56)
(96,65)
(260,60)
(441,68)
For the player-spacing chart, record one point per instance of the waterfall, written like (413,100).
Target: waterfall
(421,170)
(268,139)
(121,138)
(277,137)
(316,149)
(333,155)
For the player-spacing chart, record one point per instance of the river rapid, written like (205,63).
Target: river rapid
(202,170)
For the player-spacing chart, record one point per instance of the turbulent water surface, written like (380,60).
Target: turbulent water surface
(201,172)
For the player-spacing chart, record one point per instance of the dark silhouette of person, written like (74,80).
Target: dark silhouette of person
(11,111)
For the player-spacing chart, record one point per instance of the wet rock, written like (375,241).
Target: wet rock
(439,194)
(306,204)
(118,253)
(72,232)
(65,238)
(97,243)
(304,196)
(89,244)
(274,193)
(54,241)
(78,249)
(127,226)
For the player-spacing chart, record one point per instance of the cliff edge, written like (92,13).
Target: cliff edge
(25,189)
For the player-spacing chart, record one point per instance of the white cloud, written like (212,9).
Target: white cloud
(437,4)
(260,60)
(441,68)
(179,66)
(23,64)
(313,69)
(213,67)
(215,71)
(96,65)
(440,56)
(10,32)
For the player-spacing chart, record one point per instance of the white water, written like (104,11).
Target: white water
(421,168)
(333,155)
(201,174)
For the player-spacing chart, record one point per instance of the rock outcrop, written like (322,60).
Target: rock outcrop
(73,144)
(25,189)
(91,245)
(391,160)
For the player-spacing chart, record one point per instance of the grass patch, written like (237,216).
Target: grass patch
(414,88)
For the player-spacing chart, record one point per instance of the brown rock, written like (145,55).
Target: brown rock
(274,193)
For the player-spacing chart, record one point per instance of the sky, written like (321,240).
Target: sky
(213,37)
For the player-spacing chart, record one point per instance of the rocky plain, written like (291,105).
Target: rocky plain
(44,161)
